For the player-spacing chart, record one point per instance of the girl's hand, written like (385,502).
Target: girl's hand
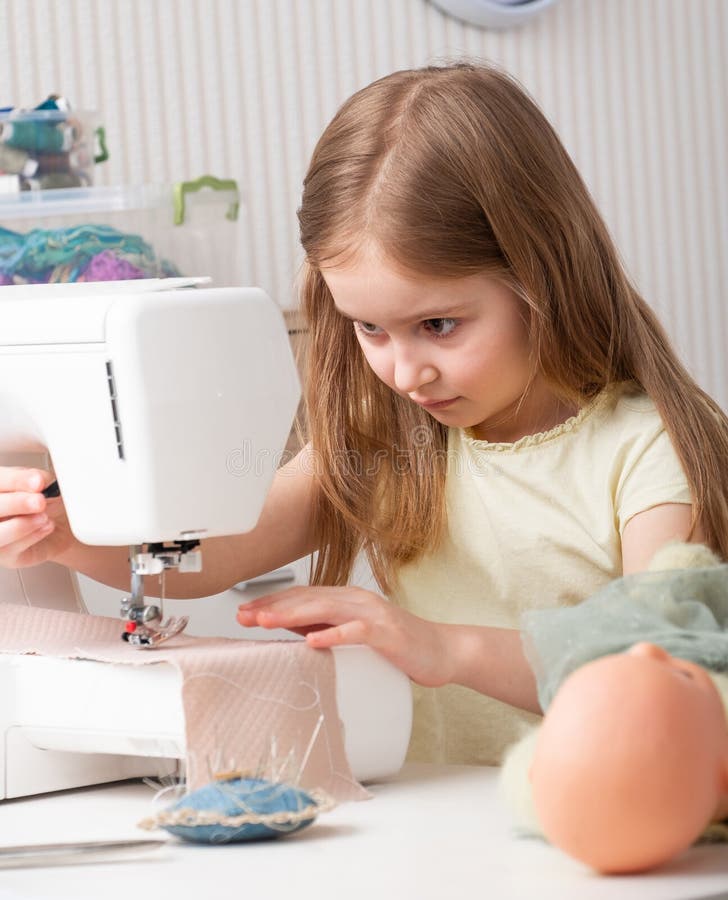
(33,529)
(329,616)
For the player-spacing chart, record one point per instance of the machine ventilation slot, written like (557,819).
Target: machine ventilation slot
(114,409)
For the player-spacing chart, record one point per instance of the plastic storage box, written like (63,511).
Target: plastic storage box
(49,148)
(116,233)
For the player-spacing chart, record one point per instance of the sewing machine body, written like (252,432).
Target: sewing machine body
(70,723)
(164,413)
(144,400)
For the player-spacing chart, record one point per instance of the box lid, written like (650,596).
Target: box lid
(81,201)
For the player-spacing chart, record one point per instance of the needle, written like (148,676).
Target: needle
(73,853)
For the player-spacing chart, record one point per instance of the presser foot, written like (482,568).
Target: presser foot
(148,636)
(144,626)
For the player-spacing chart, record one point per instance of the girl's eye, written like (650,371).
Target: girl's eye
(368,328)
(441,327)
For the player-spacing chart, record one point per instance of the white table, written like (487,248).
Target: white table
(432,833)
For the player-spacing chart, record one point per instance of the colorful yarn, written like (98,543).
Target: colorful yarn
(79,253)
(106,266)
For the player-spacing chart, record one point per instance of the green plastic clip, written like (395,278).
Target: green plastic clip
(217,184)
(101,138)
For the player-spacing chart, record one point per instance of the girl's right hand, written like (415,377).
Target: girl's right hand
(33,529)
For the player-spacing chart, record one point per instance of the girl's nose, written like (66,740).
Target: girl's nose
(411,373)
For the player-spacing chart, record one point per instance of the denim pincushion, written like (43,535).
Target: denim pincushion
(240,809)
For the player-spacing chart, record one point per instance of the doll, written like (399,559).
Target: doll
(630,763)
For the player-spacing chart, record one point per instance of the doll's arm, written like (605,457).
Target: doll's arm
(515,784)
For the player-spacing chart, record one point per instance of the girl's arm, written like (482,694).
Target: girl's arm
(646,532)
(485,659)
(488,660)
(491,661)
(282,534)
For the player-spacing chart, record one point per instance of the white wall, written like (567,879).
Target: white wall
(241,88)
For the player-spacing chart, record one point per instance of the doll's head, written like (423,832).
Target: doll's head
(631,762)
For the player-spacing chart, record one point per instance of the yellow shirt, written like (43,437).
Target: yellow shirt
(530,525)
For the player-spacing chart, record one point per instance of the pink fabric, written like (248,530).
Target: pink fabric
(238,696)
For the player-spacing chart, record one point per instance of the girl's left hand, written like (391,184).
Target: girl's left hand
(329,616)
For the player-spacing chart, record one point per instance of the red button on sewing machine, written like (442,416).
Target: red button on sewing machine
(130,626)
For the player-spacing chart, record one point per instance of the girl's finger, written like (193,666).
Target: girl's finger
(294,594)
(300,615)
(18,529)
(304,593)
(289,599)
(352,632)
(18,478)
(308,629)
(267,600)
(21,547)
(19,503)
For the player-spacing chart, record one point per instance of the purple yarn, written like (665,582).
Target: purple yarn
(5,280)
(105,266)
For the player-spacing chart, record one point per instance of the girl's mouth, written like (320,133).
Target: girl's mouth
(436,404)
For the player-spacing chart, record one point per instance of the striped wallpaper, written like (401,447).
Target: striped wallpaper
(241,88)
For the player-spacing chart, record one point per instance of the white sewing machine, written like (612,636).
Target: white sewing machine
(164,411)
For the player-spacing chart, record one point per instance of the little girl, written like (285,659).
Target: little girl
(496,418)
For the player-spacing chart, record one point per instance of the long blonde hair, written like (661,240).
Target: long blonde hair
(454,170)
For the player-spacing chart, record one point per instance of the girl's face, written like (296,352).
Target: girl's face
(456,346)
